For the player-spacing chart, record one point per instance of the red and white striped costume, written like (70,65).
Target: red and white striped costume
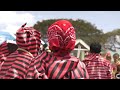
(4,52)
(58,64)
(98,67)
(16,64)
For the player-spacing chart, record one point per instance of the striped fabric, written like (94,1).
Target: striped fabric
(98,67)
(3,52)
(48,66)
(58,64)
(29,39)
(16,64)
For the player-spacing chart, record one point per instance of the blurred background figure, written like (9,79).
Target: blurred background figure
(108,56)
(97,66)
(115,63)
(116,57)
(117,74)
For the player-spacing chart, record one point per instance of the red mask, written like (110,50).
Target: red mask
(61,37)
(29,39)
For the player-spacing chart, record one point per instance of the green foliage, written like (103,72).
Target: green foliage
(112,33)
(84,30)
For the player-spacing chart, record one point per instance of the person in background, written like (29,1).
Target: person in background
(116,57)
(115,63)
(86,53)
(58,64)
(97,66)
(16,64)
(108,56)
(117,74)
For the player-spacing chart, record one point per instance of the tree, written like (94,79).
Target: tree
(112,39)
(84,30)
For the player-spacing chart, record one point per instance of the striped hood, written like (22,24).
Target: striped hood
(28,39)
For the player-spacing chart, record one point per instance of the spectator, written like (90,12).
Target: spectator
(108,56)
(17,63)
(114,64)
(116,57)
(59,64)
(97,66)
(118,72)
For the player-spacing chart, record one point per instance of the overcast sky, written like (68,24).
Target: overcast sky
(104,20)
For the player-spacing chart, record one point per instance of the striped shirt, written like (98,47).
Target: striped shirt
(48,66)
(16,65)
(98,67)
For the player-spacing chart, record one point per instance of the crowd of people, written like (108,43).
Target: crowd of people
(28,60)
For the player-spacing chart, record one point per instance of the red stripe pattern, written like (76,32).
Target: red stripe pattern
(59,64)
(29,39)
(98,67)
(16,64)
(48,66)
(4,52)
